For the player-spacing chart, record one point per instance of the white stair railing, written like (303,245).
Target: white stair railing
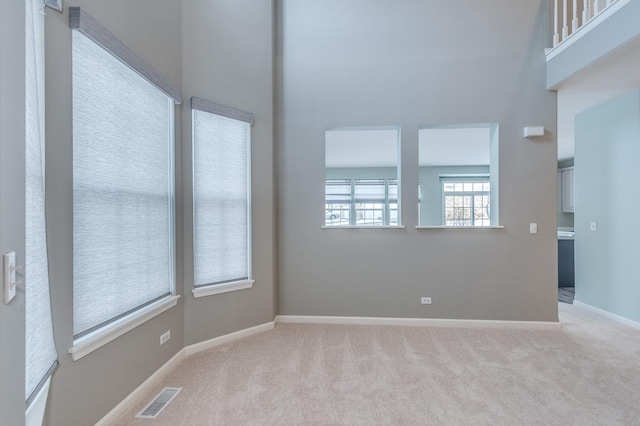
(572,15)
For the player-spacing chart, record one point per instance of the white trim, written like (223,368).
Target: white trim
(363,227)
(459,227)
(428,322)
(141,390)
(585,28)
(621,319)
(34,416)
(89,343)
(133,398)
(221,340)
(222,288)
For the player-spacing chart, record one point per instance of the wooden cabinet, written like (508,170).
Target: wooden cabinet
(567,190)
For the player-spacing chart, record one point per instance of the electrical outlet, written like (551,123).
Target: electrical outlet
(425,300)
(9,276)
(165,337)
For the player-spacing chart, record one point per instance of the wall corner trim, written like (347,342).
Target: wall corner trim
(135,396)
(610,315)
(418,322)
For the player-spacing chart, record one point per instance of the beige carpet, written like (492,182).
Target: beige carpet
(588,373)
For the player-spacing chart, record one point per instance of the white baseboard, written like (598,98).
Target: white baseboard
(608,314)
(135,396)
(217,341)
(170,365)
(424,322)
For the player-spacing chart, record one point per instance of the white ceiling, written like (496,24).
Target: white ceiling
(457,146)
(378,147)
(371,147)
(609,77)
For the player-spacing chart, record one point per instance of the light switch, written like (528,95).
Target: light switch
(594,226)
(533,228)
(9,276)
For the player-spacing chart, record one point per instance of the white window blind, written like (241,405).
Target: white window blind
(221,194)
(338,190)
(123,221)
(370,190)
(40,351)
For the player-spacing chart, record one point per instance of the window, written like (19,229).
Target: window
(40,351)
(123,188)
(361,202)
(221,198)
(361,177)
(458,175)
(466,201)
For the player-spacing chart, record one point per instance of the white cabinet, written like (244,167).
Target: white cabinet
(567,189)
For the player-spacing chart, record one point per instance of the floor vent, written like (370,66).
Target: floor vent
(158,404)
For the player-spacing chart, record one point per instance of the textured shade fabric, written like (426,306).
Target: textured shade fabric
(220,198)
(40,350)
(122,188)
(372,190)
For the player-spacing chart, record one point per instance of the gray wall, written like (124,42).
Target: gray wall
(598,42)
(606,188)
(227,50)
(217,50)
(373,63)
(85,390)
(431,210)
(12,197)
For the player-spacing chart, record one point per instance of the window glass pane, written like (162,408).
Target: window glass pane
(122,188)
(221,198)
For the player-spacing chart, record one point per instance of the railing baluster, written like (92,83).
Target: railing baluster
(565,20)
(575,24)
(585,11)
(596,7)
(556,24)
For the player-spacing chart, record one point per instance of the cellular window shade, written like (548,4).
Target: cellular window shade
(40,351)
(337,190)
(122,188)
(221,191)
(369,190)
(393,190)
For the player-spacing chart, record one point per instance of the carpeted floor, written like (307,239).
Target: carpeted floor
(587,373)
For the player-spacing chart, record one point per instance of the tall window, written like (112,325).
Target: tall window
(467,201)
(221,197)
(40,351)
(123,180)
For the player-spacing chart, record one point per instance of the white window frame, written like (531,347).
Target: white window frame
(464,179)
(236,114)
(353,204)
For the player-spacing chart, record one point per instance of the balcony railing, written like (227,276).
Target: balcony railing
(569,16)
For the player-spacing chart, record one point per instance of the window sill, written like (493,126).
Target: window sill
(460,227)
(363,227)
(222,288)
(89,343)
